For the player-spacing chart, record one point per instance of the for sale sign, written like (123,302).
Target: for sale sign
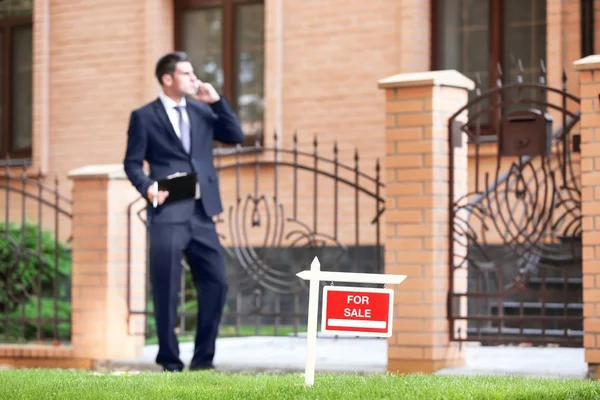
(357,311)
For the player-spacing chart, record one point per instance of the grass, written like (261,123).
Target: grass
(63,384)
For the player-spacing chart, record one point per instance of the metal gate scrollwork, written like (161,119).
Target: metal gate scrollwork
(517,233)
(283,207)
(35,258)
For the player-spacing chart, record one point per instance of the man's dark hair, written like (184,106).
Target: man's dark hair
(167,63)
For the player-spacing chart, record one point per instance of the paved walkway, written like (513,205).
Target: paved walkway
(366,355)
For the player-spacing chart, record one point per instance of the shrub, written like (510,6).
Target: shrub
(28,274)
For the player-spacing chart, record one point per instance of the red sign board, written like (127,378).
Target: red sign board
(357,311)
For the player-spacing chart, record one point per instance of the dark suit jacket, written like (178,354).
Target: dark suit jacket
(151,137)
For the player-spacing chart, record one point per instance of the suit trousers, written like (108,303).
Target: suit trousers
(198,241)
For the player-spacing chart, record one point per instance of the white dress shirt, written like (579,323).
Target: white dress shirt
(172,113)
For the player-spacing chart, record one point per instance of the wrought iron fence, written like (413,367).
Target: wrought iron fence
(283,207)
(517,233)
(35,259)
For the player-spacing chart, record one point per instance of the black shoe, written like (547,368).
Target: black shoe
(172,368)
(202,367)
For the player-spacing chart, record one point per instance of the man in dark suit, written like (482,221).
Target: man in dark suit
(174,134)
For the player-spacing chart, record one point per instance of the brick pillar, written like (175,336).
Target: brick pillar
(102,328)
(418,107)
(589,79)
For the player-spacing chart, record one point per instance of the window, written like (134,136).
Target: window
(587,28)
(16,78)
(225,40)
(475,36)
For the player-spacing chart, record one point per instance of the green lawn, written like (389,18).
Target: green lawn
(65,385)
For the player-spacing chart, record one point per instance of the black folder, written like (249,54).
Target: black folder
(181,186)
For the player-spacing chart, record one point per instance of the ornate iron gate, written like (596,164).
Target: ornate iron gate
(283,207)
(517,233)
(35,260)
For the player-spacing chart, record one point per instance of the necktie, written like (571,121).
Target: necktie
(184,128)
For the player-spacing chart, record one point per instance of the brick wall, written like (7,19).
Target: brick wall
(315,72)
(597,31)
(589,68)
(101,58)
(87,79)
(96,72)
(330,68)
(40,356)
(41,84)
(95,76)
(414,31)
(563,44)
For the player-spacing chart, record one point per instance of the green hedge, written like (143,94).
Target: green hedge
(25,257)
(28,265)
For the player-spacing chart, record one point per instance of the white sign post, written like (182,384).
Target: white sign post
(355,319)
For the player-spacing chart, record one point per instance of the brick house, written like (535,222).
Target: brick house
(298,73)
(309,67)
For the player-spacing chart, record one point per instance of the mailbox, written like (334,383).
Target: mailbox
(526,133)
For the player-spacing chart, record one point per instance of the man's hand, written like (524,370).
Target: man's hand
(206,93)
(162,195)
